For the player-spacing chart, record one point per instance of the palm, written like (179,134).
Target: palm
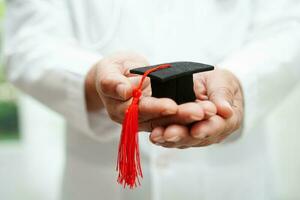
(221,88)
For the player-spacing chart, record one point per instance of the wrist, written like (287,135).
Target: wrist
(93,101)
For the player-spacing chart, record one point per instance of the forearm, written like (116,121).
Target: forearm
(47,62)
(268,69)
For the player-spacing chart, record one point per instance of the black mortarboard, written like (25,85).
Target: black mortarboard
(175,82)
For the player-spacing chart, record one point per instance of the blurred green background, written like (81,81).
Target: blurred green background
(9,127)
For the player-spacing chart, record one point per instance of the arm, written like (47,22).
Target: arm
(44,59)
(267,65)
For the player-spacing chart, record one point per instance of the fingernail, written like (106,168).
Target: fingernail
(226,104)
(121,90)
(159,140)
(199,116)
(194,117)
(203,97)
(156,133)
(168,112)
(210,113)
(174,139)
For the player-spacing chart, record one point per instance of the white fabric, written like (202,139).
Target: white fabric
(51,44)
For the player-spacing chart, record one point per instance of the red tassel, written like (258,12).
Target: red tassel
(128,163)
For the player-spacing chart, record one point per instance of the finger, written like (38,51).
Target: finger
(151,107)
(221,98)
(176,133)
(216,128)
(212,127)
(186,114)
(199,87)
(124,92)
(170,137)
(135,81)
(116,109)
(234,122)
(112,74)
(114,86)
(209,108)
(112,82)
(156,136)
(178,137)
(221,91)
(189,112)
(231,125)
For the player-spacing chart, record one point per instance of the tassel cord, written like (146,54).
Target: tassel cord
(128,161)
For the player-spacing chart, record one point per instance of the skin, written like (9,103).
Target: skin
(217,112)
(223,89)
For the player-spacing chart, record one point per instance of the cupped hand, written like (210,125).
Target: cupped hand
(111,82)
(223,89)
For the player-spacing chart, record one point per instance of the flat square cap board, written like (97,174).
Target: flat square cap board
(175,82)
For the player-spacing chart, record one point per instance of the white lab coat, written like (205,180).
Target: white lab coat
(51,44)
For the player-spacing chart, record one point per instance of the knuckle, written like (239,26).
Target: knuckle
(211,134)
(223,92)
(105,84)
(144,105)
(195,134)
(220,126)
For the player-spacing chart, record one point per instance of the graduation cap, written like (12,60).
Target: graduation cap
(171,80)
(176,81)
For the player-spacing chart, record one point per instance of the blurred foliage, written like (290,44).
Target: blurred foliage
(1,8)
(9,123)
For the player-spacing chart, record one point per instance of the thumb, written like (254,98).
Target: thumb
(221,92)
(113,74)
(112,82)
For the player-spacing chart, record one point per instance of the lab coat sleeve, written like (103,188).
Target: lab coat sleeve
(268,64)
(44,59)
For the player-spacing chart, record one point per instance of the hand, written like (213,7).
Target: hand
(223,89)
(110,84)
